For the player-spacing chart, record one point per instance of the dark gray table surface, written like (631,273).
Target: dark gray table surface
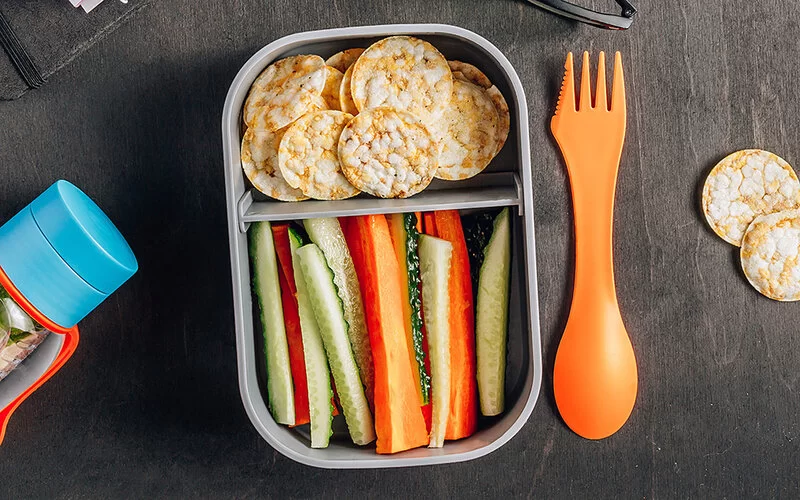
(149,405)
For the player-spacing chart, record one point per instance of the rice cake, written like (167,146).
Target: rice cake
(388,153)
(468,133)
(770,255)
(468,72)
(286,90)
(744,185)
(333,81)
(404,73)
(344,59)
(504,116)
(346,102)
(308,156)
(260,165)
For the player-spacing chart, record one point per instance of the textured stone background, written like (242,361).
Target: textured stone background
(149,405)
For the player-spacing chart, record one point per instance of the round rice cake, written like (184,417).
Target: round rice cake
(260,165)
(770,255)
(403,72)
(468,133)
(286,90)
(504,116)
(388,153)
(333,82)
(344,59)
(308,156)
(744,185)
(346,102)
(468,72)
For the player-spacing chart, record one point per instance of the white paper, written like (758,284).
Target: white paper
(75,3)
(88,5)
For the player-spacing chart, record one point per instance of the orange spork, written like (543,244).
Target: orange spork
(595,377)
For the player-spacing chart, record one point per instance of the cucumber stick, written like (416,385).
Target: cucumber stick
(327,234)
(280,388)
(491,322)
(328,311)
(405,239)
(318,373)
(435,256)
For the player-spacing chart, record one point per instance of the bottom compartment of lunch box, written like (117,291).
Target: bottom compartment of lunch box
(521,386)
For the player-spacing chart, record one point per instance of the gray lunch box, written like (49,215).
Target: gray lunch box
(506,182)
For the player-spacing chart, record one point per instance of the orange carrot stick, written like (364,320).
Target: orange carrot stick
(429,223)
(399,423)
(463,417)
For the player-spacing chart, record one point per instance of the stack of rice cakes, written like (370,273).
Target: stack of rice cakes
(384,120)
(751,199)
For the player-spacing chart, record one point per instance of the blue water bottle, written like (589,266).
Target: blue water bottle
(60,257)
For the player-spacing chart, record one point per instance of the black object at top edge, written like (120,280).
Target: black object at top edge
(19,57)
(599,19)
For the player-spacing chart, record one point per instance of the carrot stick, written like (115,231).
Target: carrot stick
(291,318)
(429,223)
(463,417)
(399,423)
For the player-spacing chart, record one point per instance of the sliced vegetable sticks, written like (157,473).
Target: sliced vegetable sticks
(326,233)
(435,256)
(431,309)
(491,324)
(333,328)
(318,375)
(462,420)
(291,320)
(399,423)
(405,238)
(427,410)
(266,285)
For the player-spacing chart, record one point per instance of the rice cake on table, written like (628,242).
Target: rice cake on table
(770,255)
(744,185)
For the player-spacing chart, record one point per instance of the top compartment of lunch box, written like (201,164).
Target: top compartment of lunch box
(500,184)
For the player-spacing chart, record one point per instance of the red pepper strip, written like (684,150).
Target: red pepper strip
(291,319)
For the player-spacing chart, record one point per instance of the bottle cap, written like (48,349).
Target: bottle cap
(64,254)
